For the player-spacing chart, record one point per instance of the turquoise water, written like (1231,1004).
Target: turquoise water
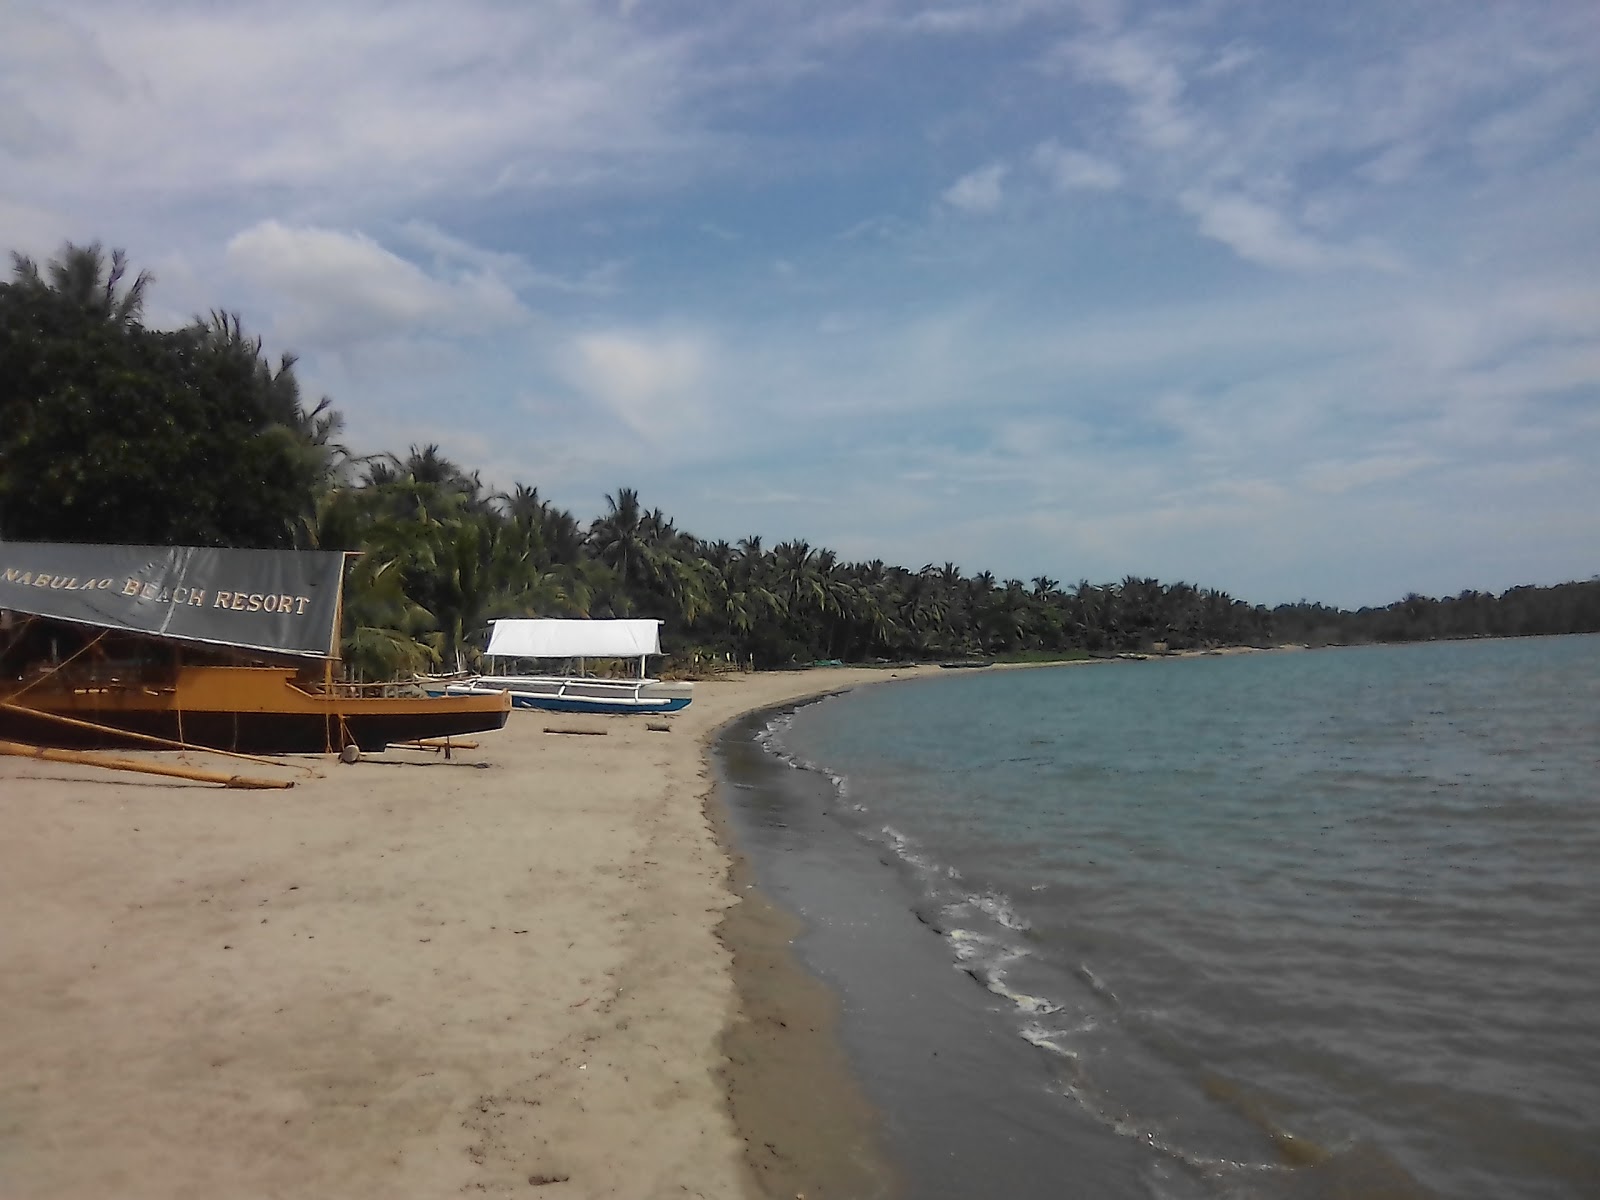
(1313,923)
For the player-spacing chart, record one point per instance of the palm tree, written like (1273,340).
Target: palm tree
(751,553)
(923,608)
(1095,614)
(621,539)
(551,534)
(1140,602)
(742,607)
(306,437)
(523,508)
(430,468)
(686,583)
(385,630)
(81,276)
(838,598)
(800,580)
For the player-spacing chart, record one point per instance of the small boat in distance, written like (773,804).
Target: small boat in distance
(575,641)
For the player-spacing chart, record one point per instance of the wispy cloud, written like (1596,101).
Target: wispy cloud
(344,287)
(406,98)
(1148,75)
(1262,234)
(1280,296)
(450,253)
(1334,478)
(979,191)
(653,383)
(1071,170)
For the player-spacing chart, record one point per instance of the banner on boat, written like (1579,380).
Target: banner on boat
(277,601)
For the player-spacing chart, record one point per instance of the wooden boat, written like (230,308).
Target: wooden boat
(250,709)
(577,641)
(105,647)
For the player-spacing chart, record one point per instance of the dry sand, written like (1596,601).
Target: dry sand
(500,974)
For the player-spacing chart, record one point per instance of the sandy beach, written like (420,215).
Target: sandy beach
(508,973)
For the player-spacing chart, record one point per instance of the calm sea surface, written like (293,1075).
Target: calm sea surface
(1322,923)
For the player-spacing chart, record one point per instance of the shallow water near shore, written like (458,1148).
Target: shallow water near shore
(1311,924)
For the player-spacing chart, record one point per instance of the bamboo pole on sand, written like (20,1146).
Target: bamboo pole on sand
(149,738)
(49,754)
(447,746)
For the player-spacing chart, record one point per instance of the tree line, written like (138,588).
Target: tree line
(114,432)
(1516,612)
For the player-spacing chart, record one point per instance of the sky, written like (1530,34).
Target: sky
(1292,300)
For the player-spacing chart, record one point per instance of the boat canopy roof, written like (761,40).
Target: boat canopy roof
(544,637)
(273,601)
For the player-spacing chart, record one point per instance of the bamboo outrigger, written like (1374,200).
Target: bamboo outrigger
(51,754)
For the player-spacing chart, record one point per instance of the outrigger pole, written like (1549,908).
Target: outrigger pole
(49,754)
(152,739)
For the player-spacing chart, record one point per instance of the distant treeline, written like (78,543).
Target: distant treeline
(113,432)
(1516,612)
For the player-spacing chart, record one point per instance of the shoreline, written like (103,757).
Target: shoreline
(508,971)
(794,1098)
(806,1127)
(959,1100)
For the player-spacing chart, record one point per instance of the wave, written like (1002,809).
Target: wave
(985,930)
(982,953)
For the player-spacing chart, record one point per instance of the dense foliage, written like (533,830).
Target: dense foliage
(112,432)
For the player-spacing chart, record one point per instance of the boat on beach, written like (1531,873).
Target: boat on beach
(248,709)
(575,642)
(117,647)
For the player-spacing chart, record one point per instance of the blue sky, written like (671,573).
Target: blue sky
(1293,300)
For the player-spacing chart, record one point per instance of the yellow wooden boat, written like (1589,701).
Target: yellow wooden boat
(96,638)
(250,709)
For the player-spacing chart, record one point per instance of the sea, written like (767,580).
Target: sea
(1319,923)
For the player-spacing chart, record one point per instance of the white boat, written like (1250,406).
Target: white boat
(545,639)
(568,693)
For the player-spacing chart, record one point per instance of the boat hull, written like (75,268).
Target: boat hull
(581,705)
(579,695)
(252,710)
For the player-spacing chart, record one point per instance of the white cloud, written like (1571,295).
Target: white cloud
(402,98)
(32,230)
(1148,73)
(453,253)
(979,191)
(1231,58)
(1256,232)
(654,383)
(333,287)
(1452,334)
(387,186)
(1334,478)
(1523,131)
(1073,170)
(1261,234)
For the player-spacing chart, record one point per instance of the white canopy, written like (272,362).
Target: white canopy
(540,637)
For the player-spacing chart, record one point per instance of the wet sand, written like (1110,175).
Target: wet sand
(500,974)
